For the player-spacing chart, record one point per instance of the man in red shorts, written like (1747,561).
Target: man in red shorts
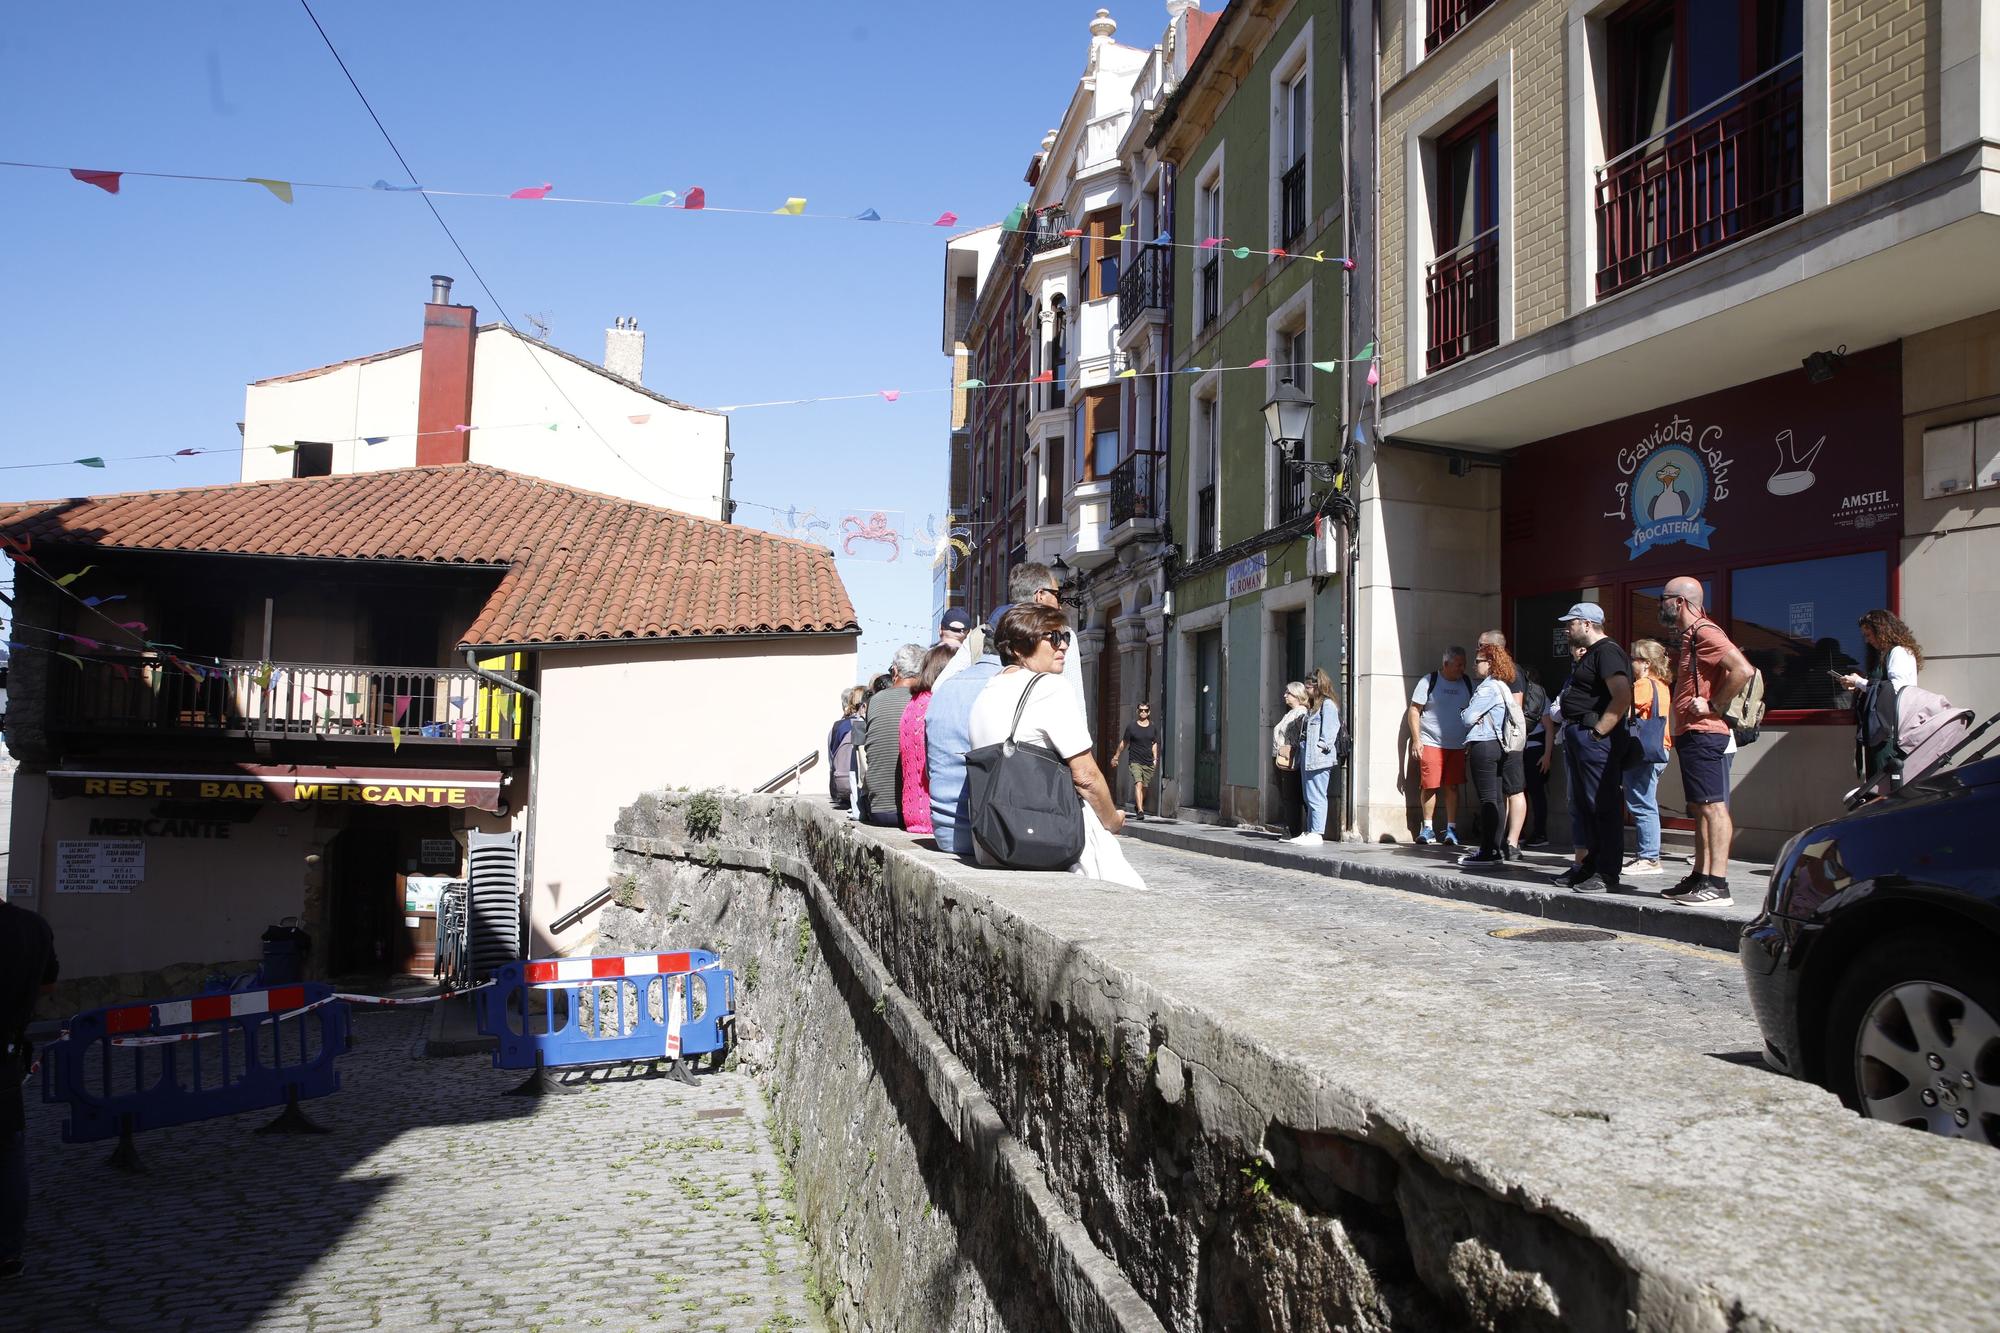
(1437,735)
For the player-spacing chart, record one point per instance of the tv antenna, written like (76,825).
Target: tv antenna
(538,320)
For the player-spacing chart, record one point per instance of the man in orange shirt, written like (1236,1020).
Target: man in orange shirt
(1709,671)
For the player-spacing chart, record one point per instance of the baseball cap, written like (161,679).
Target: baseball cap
(1590,611)
(956,618)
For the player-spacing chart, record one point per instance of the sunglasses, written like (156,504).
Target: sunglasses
(1059,637)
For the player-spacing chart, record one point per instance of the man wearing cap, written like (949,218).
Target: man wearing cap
(1593,708)
(953,628)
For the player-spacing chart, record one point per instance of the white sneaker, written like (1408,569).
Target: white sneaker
(1639,866)
(1307,840)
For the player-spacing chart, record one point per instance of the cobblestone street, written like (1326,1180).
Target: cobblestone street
(434,1203)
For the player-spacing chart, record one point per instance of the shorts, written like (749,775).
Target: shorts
(1143,774)
(1514,773)
(1441,768)
(1704,766)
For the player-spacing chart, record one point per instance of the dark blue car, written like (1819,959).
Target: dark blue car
(1874,968)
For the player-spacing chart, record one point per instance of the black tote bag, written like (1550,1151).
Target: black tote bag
(1024,806)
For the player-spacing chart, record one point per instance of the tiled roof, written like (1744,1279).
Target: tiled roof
(579,566)
(591,366)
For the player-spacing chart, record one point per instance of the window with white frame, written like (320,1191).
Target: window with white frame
(1288,344)
(1291,140)
(1208,260)
(1205,499)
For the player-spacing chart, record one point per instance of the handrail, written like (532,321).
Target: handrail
(790,774)
(1693,116)
(568,919)
(1464,245)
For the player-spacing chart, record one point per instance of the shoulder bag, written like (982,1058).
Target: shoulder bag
(1024,806)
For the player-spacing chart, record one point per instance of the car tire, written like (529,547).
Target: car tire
(1913,1037)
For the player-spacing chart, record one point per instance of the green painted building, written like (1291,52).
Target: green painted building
(1254,135)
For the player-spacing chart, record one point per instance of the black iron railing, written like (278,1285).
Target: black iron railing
(1135,487)
(1047,231)
(1462,301)
(1448,16)
(1146,284)
(288,699)
(1292,202)
(1211,288)
(1294,493)
(1730,170)
(1205,534)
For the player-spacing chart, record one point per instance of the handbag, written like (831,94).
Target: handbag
(1285,757)
(1024,806)
(1647,735)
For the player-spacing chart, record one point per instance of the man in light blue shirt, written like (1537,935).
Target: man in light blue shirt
(947,736)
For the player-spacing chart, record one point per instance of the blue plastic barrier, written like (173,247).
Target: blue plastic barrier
(568,1013)
(134,1067)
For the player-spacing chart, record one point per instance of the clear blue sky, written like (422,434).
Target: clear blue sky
(134,322)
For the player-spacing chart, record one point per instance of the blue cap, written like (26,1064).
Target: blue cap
(1590,611)
(956,618)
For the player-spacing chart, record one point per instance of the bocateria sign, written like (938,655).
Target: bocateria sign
(475,789)
(1761,469)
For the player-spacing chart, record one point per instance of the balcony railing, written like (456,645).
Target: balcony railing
(1292,201)
(1462,294)
(1211,288)
(1046,231)
(1135,487)
(1448,16)
(1205,534)
(1294,493)
(1730,170)
(296,700)
(1146,284)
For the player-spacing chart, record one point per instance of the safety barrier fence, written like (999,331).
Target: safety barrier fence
(595,1013)
(126,1069)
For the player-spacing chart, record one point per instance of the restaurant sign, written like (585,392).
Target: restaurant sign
(473,789)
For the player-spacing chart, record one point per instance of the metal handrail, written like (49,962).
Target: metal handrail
(790,774)
(1693,116)
(1452,253)
(568,919)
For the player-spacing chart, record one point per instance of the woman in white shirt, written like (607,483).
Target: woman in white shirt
(1894,658)
(1285,755)
(1032,642)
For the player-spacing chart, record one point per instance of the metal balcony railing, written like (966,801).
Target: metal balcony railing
(1046,231)
(1135,487)
(1146,284)
(1462,301)
(1211,288)
(1292,202)
(1294,493)
(1447,17)
(1730,170)
(301,700)
(1206,537)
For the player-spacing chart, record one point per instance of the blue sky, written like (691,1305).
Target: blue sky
(135,321)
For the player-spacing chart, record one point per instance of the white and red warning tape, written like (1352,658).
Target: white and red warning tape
(135,1018)
(569,970)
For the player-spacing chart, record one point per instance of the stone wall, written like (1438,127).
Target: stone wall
(1034,1102)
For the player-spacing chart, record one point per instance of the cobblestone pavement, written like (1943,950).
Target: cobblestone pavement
(435,1203)
(1678,994)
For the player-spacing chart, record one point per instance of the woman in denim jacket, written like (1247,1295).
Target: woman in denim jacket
(1318,754)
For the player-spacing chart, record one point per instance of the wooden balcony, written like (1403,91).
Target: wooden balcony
(288,700)
(1730,170)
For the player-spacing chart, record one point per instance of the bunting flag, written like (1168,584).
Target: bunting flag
(68,579)
(891,395)
(1046,377)
(186,453)
(533,191)
(261,678)
(383,439)
(1210,243)
(971,384)
(792,207)
(1164,238)
(1013,222)
(396,189)
(395,738)
(402,706)
(1241,252)
(1367,351)
(1374,372)
(640,418)
(1326,366)
(92,461)
(106,181)
(102,601)
(283,448)
(1128,373)
(1072,233)
(660,200)
(697,198)
(1260,363)
(946,219)
(1279,252)
(281,189)
(867,215)
(72,659)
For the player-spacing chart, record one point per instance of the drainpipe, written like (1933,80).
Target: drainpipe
(534,787)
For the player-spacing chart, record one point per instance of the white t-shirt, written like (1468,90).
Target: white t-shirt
(1443,722)
(1054,716)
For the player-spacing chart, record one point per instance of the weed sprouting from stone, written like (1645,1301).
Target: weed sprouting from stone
(704,816)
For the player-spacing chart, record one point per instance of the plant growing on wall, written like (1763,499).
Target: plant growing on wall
(704,816)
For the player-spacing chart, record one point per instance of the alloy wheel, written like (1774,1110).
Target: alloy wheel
(1928,1056)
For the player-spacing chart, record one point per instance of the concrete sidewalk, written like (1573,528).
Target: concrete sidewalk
(1525,886)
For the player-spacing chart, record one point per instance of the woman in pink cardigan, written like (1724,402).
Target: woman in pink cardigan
(915,792)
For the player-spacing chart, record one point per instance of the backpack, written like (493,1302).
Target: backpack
(1534,705)
(841,781)
(1024,806)
(1745,713)
(1514,732)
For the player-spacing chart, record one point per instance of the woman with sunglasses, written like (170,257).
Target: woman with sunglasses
(1144,741)
(1032,643)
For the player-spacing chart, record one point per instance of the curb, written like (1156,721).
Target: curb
(1633,914)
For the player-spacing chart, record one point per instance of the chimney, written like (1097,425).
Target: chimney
(625,349)
(444,385)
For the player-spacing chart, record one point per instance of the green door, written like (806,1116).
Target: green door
(1208,720)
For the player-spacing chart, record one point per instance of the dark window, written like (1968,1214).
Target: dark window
(1052,504)
(311,459)
(1462,286)
(1796,622)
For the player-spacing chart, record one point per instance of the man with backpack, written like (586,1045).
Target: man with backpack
(1436,741)
(1710,673)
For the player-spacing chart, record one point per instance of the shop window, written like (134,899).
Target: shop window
(1796,622)
(1644,610)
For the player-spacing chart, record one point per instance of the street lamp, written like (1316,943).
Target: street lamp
(1287,424)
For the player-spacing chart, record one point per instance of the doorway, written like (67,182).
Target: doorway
(362,861)
(1208,719)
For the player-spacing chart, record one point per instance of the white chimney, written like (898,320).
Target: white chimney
(625,349)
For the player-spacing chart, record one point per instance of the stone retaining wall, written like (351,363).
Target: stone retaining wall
(1034,1102)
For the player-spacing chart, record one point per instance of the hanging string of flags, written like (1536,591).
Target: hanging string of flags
(693,200)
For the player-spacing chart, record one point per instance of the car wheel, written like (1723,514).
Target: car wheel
(1913,1037)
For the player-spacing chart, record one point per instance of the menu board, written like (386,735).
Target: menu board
(100,865)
